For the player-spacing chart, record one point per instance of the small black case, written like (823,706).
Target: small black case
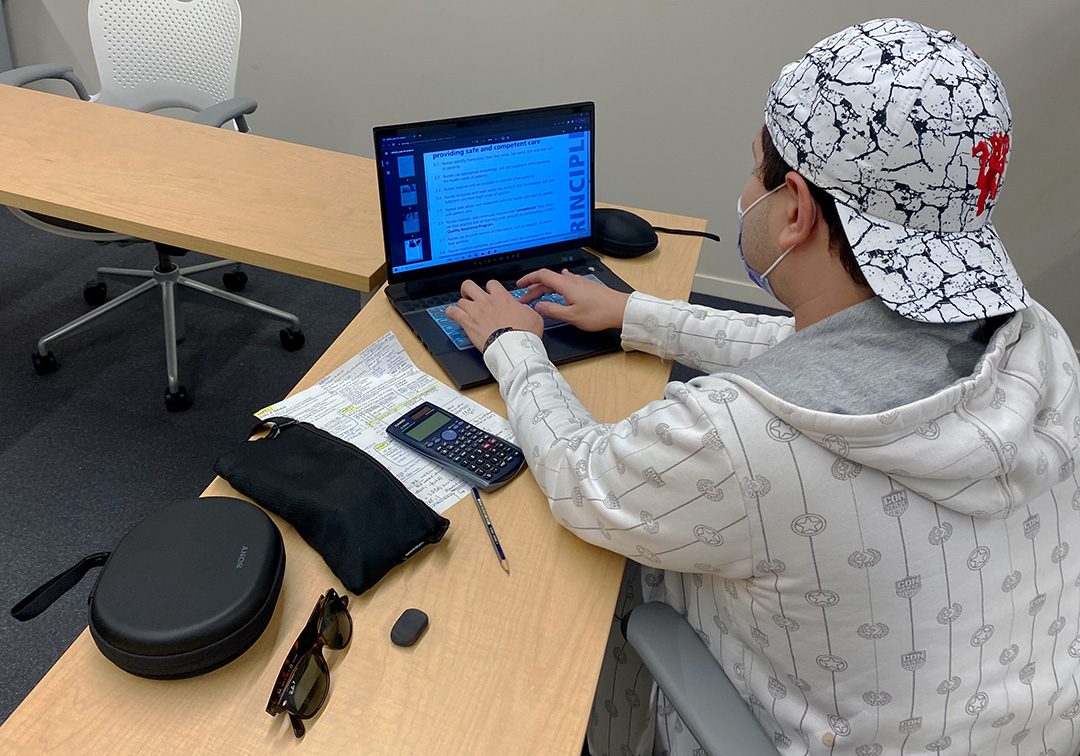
(409,627)
(187,590)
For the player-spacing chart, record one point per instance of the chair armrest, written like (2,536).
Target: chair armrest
(230,110)
(20,77)
(695,683)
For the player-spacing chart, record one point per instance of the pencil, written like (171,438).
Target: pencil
(490,530)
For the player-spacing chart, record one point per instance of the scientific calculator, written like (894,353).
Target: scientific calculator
(480,458)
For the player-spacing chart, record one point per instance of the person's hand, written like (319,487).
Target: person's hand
(590,305)
(480,312)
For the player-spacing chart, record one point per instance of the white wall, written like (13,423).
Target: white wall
(678,85)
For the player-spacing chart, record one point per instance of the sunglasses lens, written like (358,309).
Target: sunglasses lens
(337,625)
(307,689)
(301,690)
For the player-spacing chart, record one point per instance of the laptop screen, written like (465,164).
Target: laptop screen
(468,191)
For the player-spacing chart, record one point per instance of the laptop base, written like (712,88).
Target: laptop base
(466,368)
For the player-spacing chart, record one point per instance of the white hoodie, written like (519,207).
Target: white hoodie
(898,582)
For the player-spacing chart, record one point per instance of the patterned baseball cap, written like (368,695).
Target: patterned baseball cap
(909,131)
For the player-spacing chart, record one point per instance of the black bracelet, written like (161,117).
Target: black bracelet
(494,335)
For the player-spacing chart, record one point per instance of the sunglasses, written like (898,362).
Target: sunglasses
(304,680)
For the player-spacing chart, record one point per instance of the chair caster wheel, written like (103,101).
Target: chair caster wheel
(291,340)
(235,280)
(45,363)
(95,292)
(177,402)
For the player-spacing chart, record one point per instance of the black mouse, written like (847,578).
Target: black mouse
(619,233)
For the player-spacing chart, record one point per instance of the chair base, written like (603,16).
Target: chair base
(165,278)
(177,401)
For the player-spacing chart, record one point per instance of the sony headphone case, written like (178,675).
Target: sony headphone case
(188,589)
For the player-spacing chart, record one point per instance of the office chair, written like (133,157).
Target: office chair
(5,48)
(695,683)
(151,55)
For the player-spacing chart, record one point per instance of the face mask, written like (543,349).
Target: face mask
(761,279)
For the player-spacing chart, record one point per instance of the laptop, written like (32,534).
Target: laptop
(488,197)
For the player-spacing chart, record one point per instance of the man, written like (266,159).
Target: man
(865,510)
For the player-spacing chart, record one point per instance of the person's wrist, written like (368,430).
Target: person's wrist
(494,335)
(625,300)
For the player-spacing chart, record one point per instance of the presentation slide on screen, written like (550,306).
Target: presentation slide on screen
(507,195)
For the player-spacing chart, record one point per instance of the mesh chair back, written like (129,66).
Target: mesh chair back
(5,45)
(154,54)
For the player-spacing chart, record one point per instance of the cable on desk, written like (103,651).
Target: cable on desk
(686,232)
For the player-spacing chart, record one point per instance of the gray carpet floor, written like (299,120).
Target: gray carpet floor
(88,451)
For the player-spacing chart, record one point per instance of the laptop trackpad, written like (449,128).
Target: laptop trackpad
(567,344)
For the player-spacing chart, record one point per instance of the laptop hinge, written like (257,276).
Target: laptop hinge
(424,287)
(509,271)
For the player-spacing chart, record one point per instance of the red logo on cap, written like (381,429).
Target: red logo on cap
(992,156)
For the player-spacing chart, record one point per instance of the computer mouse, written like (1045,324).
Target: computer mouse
(620,233)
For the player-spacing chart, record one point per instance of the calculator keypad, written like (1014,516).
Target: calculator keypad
(479,452)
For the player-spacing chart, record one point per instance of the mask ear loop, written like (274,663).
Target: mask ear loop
(738,202)
(776,262)
(787,251)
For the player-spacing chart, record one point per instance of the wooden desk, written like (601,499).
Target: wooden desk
(278,205)
(508,665)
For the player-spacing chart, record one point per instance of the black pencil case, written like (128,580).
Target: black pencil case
(348,507)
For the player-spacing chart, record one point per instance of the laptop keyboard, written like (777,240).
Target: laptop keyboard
(436,308)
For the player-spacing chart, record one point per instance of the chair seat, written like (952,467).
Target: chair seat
(66,224)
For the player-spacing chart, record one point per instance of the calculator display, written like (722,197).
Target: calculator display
(421,431)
